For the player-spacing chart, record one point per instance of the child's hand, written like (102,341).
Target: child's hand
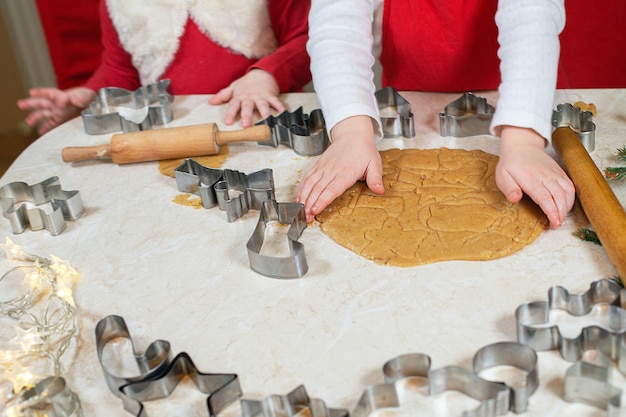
(525,167)
(49,107)
(351,157)
(255,90)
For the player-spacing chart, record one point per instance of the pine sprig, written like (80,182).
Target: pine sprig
(621,154)
(617,173)
(588,235)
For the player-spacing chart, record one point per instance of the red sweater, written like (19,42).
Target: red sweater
(201,66)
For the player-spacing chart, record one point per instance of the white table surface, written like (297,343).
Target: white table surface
(180,274)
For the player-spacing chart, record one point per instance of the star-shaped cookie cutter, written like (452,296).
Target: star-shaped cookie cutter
(580,121)
(292,266)
(305,134)
(15,197)
(291,405)
(469,115)
(604,296)
(117,109)
(494,397)
(159,374)
(399,124)
(214,187)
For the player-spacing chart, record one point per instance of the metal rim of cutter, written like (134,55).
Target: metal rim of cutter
(580,121)
(469,115)
(400,125)
(291,405)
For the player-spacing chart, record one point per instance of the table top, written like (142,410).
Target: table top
(183,275)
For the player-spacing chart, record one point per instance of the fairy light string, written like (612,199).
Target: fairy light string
(43,315)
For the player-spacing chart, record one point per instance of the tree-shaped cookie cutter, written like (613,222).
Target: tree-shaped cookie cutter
(469,115)
(66,205)
(214,187)
(117,109)
(159,373)
(291,405)
(305,134)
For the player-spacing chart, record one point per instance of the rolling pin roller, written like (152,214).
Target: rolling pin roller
(167,143)
(602,208)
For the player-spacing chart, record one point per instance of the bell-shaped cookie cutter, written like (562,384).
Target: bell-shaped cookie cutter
(604,295)
(291,405)
(66,205)
(469,115)
(213,185)
(399,124)
(305,134)
(292,266)
(112,109)
(581,122)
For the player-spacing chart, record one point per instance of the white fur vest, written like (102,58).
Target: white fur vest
(150,30)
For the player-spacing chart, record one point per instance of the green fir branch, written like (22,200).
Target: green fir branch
(588,235)
(615,173)
(621,154)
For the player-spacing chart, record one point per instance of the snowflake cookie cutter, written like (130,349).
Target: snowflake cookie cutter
(159,374)
(399,124)
(291,405)
(305,134)
(292,266)
(117,109)
(495,398)
(602,298)
(214,187)
(65,205)
(580,121)
(469,115)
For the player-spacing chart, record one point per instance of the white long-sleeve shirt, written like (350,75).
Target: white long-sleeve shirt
(344,33)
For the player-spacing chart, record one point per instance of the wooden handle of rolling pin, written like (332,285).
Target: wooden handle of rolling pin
(167,143)
(602,208)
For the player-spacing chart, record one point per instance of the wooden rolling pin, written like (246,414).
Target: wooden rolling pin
(604,211)
(167,143)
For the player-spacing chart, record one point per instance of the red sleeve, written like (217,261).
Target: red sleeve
(290,63)
(116,68)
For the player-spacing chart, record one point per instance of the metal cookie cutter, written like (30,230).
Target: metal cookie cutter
(469,115)
(493,396)
(116,109)
(290,405)
(533,320)
(292,266)
(50,397)
(66,205)
(591,384)
(581,122)
(221,389)
(153,363)
(213,185)
(399,124)
(305,134)
(518,356)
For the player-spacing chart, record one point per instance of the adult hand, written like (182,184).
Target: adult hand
(351,157)
(49,107)
(255,90)
(525,167)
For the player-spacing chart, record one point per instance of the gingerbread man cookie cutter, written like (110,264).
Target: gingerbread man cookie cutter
(117,109)
(65,205)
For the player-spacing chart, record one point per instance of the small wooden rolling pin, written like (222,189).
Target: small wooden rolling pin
(167,143)
(603,209)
